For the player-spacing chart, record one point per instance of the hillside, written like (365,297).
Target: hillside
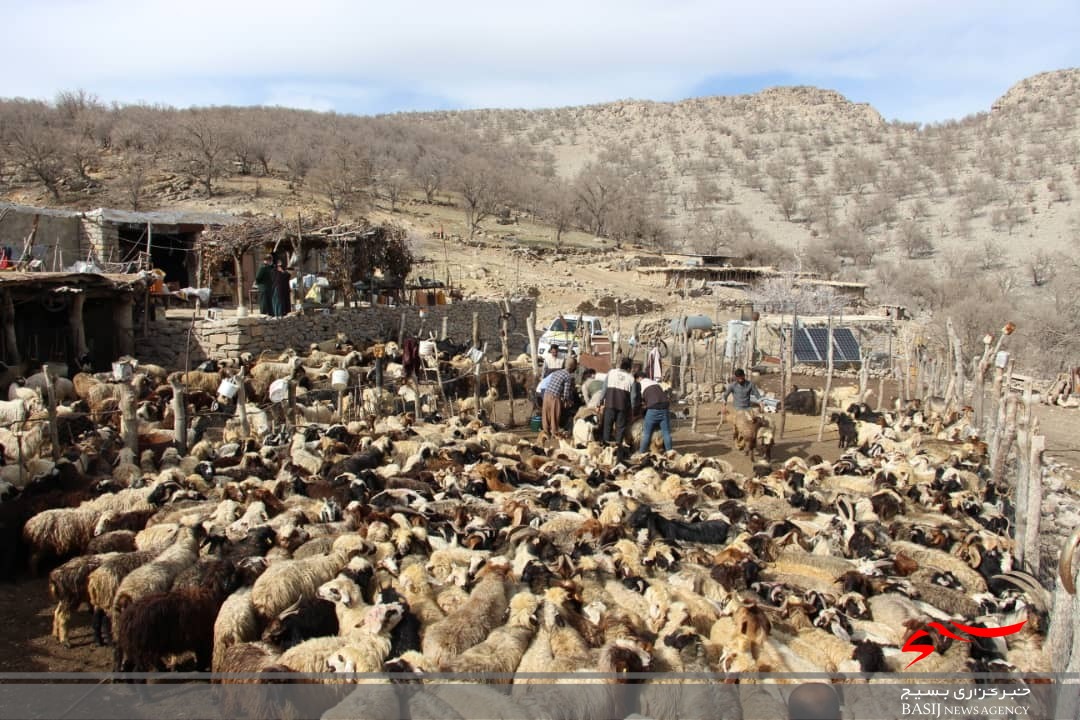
(972,218)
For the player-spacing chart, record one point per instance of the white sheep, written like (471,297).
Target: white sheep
(368,642)
(284,582)
(502,650)
(471,623)
(157,575)
(236,623)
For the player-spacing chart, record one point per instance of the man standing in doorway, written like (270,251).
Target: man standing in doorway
(264,280)
(282,291)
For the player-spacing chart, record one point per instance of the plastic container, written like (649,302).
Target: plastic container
(691,322)
(339,379)
(535,423)
(228,388)
(1002,359)
(279,390)
(427,348)
(122,371)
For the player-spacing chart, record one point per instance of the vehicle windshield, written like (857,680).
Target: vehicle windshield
(563,325)
(570,325)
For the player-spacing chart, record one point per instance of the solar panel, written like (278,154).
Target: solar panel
(812,346)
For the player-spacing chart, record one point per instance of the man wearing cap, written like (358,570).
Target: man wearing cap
(743,391)
(558,394)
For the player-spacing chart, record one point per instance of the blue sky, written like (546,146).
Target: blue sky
(913,60)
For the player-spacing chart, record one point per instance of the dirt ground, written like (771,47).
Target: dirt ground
(27,646)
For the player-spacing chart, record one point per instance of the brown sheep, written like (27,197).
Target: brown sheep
(746,430)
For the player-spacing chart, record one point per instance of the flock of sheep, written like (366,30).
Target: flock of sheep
(389,543)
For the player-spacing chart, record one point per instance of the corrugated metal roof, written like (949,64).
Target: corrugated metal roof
(154,217)
(164,217)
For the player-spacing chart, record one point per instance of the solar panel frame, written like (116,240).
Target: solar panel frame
(811,346)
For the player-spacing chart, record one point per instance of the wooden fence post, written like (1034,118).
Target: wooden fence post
(129,423)
(241,406)
(828,383)
(50,398)
(179,405)
(504,338)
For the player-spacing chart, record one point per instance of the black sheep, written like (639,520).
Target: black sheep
(406,634)
(849,434)
(713,532)
(309,618)
(173,622)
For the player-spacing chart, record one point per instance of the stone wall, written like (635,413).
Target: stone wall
(167,342)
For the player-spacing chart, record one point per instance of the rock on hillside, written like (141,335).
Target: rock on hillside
(1031,93)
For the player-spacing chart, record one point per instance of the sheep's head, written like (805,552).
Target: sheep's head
(383,618)
(340,591)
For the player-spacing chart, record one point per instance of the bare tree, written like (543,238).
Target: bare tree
(342,176)
(558,208)
(1042,267)
(783,195)
(596,188)
(478,185)
(913,239)
(133,182)
(36,146)
(429,173)
(205,143)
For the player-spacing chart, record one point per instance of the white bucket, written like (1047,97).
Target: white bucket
(339,379)
(475,355)
(1002,359)
(427,348)
(228,388)
(122,371)
(279,390)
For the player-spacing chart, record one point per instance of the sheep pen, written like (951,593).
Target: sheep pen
(603,558)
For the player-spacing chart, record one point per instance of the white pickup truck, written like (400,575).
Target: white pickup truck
(564,332)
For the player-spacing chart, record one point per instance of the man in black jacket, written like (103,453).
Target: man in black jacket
(264,280)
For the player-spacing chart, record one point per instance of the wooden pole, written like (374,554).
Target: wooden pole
(533,350)
(783,381)
(290,404)
(1023,475)
(1035,494)
(979,399)
(1004,434)
(401,330)
(50,397)
(129,422)
(828,382)
(442,331)
(299,295)
(697,383)
(78,328)
(504,338)
(179,404)
(11,341)
(241,406)
(476,329)
(616,351)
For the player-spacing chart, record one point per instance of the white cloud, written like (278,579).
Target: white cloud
(372,56)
